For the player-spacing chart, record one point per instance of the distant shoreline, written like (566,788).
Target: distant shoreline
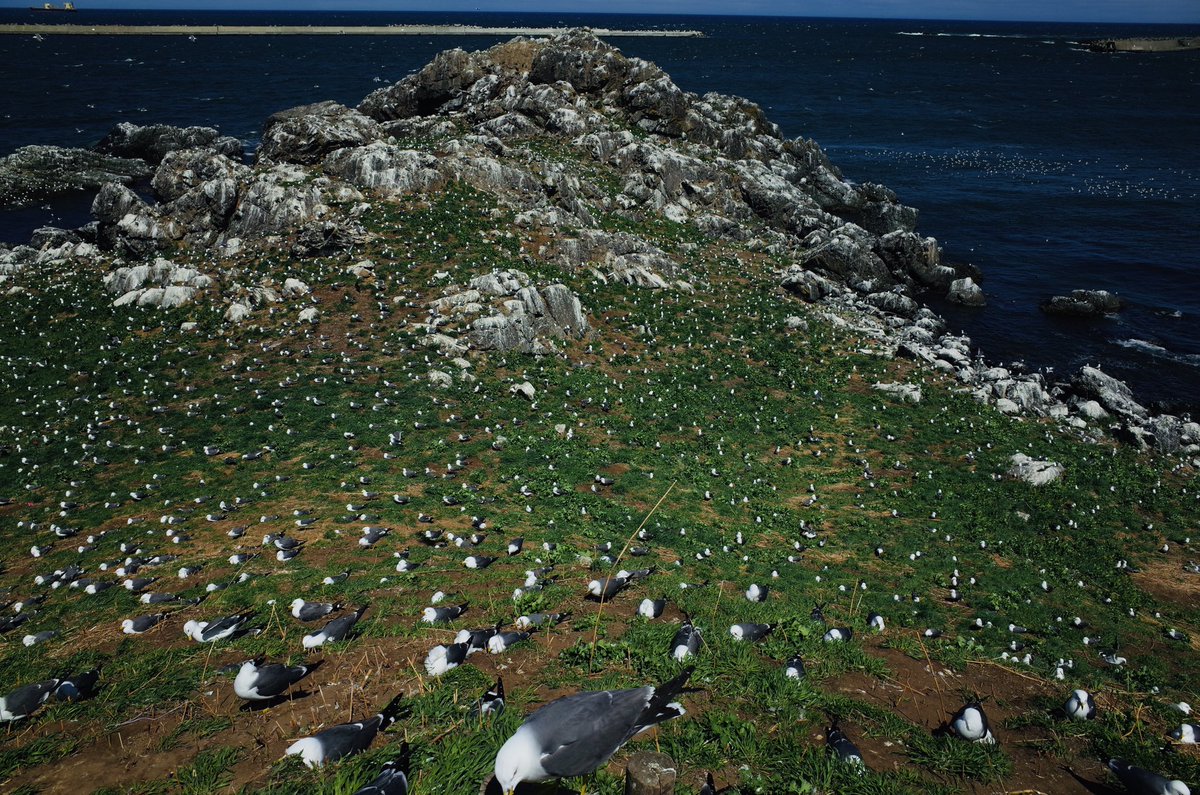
(319,30)
(1177,44)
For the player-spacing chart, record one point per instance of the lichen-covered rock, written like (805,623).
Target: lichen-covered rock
(162,285)
(294,288)
(33,173)
(307,133)
(154,142)
(276,201)
(806,284)
(422,94)
(127,225)
(1112,394)
(237,312)
(386,168)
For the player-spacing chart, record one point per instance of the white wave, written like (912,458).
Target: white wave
(1145,346)
(909,33)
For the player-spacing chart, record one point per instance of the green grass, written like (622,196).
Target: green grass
(670,389)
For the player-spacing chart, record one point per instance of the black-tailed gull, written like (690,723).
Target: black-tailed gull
(344,739)
(575,735)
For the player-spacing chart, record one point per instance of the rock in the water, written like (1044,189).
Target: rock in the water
(155,141)
(1034,472)
(33,173)
(1083,303)
(966,292)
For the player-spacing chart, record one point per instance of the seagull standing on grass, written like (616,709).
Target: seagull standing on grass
(575,735)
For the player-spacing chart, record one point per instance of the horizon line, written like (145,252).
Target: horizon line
(22,6)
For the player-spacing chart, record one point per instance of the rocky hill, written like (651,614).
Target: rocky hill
(539,307)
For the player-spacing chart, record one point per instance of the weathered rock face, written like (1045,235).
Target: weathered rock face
(1083,303)
(714,159)
(32,173)
(1034,472)
(1113,395)
(503,311)
(127,225)
(163,285)
(307,133)
(966,292)
(154,142)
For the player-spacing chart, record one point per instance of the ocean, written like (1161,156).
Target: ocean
(1048,167)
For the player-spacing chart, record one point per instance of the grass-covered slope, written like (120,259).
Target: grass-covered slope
(738,427)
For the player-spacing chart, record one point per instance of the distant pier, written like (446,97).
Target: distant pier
(318,30)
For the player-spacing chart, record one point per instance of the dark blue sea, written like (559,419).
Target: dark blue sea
(1048,167)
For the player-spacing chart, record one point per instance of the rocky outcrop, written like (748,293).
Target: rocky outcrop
(909,393)
(307,133)
(1112,394)
(503,311)
(129,226)
(1034,472)
(154,142)
(1083,303)
(161,285)
(709,157)
(33,173)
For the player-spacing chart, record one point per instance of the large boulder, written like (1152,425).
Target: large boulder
(806,284)
(966,292)
(1033,471)
(277,201)
(33,173)
(1113,395)
(307,133)
(154,142)
(200,188)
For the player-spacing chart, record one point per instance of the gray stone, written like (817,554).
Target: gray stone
(1034,472)
(909,393)
(806,284)
(307,133)
(154,142)
(1112,394)
(524,389)
(237,312)
(966,292)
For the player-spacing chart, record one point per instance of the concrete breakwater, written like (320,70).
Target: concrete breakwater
(319,30)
